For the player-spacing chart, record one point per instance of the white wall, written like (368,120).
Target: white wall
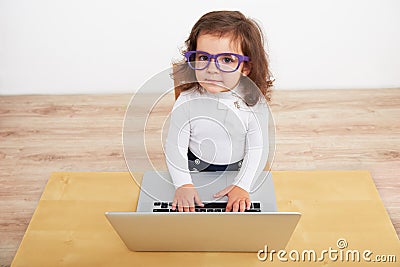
(84,46)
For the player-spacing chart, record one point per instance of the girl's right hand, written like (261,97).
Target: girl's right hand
(185,198)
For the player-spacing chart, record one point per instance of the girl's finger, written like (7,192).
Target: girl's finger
(242,205)
(236,206)
(198,200)
(186,206)
(248,203)
(174,202)
(228,206)
(220,193)
(223,192)
(180,205)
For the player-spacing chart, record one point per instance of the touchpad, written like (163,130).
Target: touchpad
(209,183)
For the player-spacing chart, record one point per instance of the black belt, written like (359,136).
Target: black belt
(196,164)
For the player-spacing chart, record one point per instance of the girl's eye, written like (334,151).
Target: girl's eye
(227,60)
(203,58)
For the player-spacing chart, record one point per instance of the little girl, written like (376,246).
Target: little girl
(220,118)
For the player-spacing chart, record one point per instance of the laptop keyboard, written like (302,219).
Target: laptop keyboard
(160,206)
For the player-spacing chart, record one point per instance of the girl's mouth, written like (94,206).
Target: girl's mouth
(213,81)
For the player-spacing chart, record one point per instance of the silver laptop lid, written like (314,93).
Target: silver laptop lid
(189,231)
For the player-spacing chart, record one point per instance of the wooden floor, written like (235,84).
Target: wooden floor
(328,129)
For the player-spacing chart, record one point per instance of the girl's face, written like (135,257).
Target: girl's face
(211,78)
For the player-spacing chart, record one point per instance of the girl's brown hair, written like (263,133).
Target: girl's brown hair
(244,31)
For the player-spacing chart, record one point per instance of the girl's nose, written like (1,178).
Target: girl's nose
(212,67)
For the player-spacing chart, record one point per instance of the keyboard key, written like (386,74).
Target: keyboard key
(253,210)
(157,203)
(215,205)
(160,210)
(164,205)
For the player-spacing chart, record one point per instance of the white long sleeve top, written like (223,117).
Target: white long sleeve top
(219,129)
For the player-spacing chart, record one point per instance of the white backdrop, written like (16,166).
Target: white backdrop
(99,46)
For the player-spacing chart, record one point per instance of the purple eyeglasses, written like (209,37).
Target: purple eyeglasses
(225,62)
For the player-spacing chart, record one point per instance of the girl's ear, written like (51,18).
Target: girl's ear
(246,68)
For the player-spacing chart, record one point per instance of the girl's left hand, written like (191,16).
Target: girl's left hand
(238,198)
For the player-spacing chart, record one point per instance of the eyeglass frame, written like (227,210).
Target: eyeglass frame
(241,59)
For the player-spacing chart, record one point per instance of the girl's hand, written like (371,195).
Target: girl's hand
(185,198)
(238,198)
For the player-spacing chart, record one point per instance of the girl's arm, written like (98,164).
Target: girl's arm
(256,155)
(176,148)
(256,150)
(177,143)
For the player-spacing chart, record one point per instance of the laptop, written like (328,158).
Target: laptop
(155,227)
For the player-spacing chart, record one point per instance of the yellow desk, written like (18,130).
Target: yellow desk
(69,228)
